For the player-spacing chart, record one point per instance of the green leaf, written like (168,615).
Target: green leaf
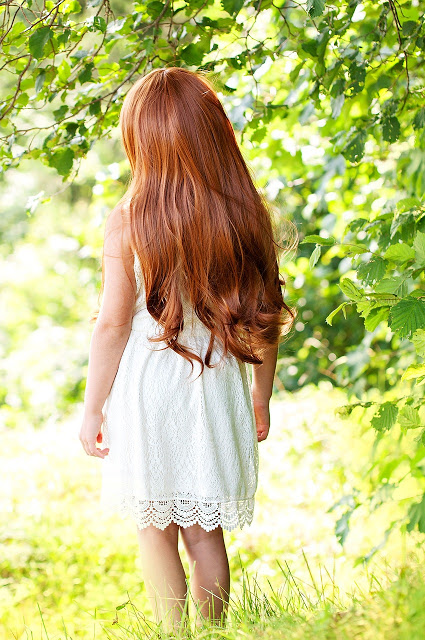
(62,160)
(354,249)
(71,7)
(370,272)
(28,83)
(95,108)
(38,40)
(408,418)
(390,285)
(318,240)
(342,527)
(336,105)
(385,417)
(232,6)
(416,514)
(419,247)
(296,71)
(22,99)
(310,47)
(390,129)
(401,223)
(99,23)
(259,134)
(409,26)
(375,317)
(400,253)
(64,37)
(413,372)
(407,316)
(147,45)
(315,8)
(418,340)
(80,54)
(354,149)
(315,255)
(64,71)
(333,313)
(383,82)
(15,31)
(388,468)
(357,224)
(40,81)
(364,307)
(337,88)
(419,119)
(193,54)
(358,75)
(384,299)
(86,73)
(406,204)
(306,113)
(351,290)
(61,112)
(71,129)
(154,8)
(229,89)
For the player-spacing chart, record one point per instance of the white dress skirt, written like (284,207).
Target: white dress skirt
(182,448)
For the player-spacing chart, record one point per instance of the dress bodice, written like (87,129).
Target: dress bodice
(140,302)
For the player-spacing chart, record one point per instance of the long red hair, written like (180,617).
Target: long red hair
(198,224)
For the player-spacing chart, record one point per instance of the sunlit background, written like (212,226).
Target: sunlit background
(335,513)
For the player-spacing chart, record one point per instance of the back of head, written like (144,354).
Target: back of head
(198,224)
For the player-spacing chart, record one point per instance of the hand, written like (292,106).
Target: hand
(262,418)
(90,433)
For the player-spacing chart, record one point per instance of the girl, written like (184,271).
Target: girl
(191,294)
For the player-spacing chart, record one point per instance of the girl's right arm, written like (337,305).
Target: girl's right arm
(262,387)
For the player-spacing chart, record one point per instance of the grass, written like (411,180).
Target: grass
(66,567)
(390,608)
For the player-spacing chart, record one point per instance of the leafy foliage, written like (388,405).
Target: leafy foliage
(82,59)
(327,100)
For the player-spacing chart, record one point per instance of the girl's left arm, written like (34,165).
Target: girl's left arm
(112,328)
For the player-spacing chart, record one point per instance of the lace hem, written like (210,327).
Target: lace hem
(185,512)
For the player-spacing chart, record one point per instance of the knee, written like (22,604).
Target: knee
(195,536)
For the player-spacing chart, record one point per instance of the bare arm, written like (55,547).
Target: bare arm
(106,348)
(262,387)
(111,331)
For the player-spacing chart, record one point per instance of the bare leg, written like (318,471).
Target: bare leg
(163,573)
(209,568)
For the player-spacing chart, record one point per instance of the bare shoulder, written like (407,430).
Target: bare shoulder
(117,239)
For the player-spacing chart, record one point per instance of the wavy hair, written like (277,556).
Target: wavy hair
(199,226)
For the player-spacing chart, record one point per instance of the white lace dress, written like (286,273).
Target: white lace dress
(182,448)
